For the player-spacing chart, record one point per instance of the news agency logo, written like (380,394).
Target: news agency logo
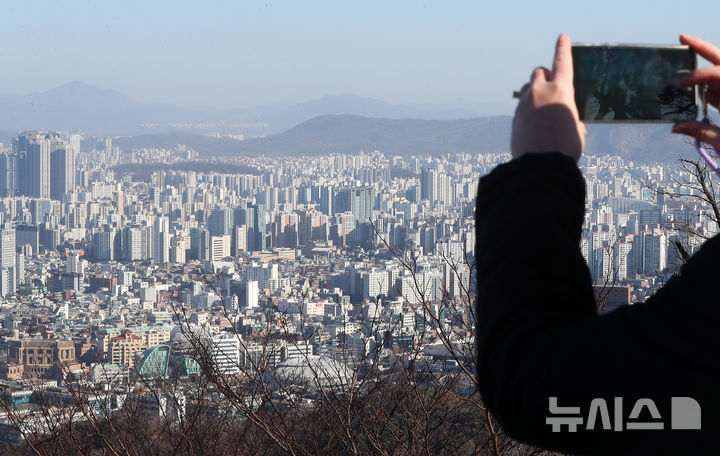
(684,415)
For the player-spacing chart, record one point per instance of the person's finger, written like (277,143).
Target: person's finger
(705,49)
(704,132)
(562,65)
(540,74)
(707,75)
(714,99)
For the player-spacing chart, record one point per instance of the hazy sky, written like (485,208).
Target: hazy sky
(245,52)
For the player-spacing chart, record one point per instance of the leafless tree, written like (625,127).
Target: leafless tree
(371,397)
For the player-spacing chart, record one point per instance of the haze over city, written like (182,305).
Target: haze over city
(255,227)
(238,54)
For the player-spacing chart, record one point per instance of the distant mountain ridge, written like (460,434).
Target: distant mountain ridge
(284,117)
(342,124)
(95,111)
(76,106)
(349,134)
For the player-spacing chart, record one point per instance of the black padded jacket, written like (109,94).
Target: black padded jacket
(638,380)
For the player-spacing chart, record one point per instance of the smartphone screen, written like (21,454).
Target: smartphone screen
(633,83)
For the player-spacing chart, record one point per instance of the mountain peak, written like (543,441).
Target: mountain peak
(347,97)
(79,87)
(76,85)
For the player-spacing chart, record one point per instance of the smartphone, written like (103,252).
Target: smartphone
(633,83)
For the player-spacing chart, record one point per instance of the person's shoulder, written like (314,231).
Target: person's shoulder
(535,164)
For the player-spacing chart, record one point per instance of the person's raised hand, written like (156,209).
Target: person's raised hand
(702,131)
(546,118)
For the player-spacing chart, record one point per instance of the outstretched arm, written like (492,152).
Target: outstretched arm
(539,336)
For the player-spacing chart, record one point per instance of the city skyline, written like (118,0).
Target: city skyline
(181,275)
(257,269)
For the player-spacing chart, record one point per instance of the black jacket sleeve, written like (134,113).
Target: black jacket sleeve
(539,335)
